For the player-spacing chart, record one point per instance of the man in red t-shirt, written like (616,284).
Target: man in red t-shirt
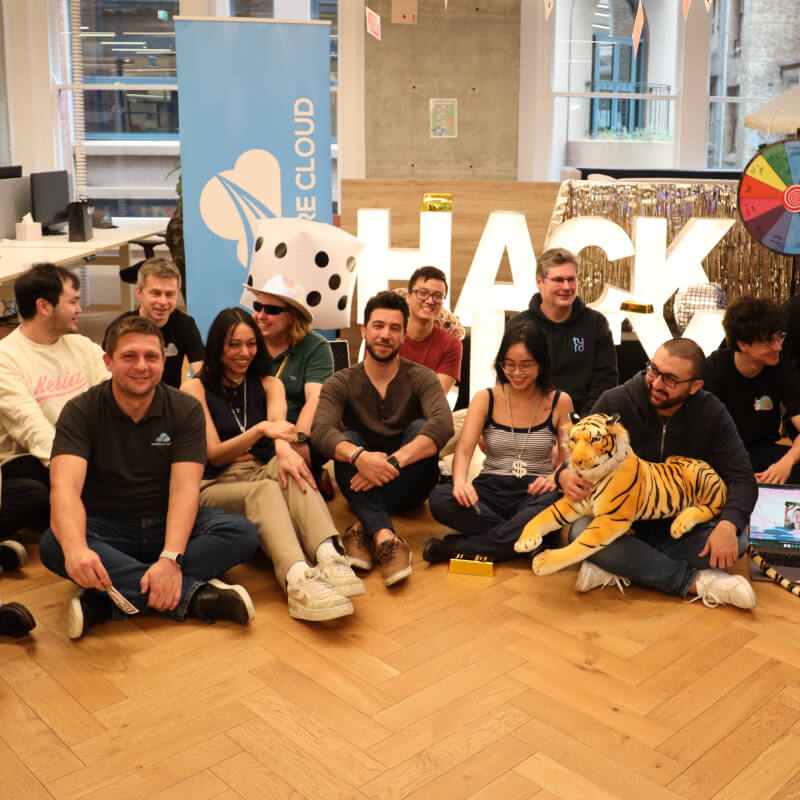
(425,342)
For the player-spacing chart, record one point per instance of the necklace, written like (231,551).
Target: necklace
(233,394)
(519,469)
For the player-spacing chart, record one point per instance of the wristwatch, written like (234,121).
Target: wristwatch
(392,459)
(176,557)
(300,437)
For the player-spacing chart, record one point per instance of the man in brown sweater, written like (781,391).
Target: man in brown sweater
(383,422)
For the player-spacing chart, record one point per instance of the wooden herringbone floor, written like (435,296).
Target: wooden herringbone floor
(444,687)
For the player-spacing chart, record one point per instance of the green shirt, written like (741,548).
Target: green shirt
(309,361)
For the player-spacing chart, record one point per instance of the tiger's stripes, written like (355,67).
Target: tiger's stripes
(773,574)
(625,488)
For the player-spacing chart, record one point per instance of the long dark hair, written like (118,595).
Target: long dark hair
(213,372)
(532,336)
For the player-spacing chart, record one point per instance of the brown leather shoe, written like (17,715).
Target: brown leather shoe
(357,546)
(394,556)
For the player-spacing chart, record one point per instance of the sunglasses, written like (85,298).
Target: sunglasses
(266,308)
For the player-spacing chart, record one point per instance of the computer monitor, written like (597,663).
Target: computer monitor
(49,199)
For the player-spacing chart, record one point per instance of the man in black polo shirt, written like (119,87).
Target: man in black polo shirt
(125,474)
(158,287)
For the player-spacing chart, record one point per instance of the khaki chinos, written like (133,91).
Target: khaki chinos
(288,520)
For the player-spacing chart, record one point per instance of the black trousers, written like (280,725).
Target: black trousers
(25,501)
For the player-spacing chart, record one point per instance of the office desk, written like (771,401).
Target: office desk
(17,256)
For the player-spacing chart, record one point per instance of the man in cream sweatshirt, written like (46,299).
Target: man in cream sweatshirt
(43,364)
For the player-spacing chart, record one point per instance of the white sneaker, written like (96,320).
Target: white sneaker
(590,576)
(313,598)
(339,574)
(715,587)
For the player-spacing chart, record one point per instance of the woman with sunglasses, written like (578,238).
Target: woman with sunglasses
(252,469)
(301,358)
(519,419)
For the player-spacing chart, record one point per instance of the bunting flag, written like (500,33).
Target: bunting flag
(548,7)
(686,5)
(638,24)
(373,23)
(709,4)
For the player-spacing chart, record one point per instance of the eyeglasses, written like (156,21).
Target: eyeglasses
(523,367)
(424,294)
(267,308)
(670,381)
(775,339)
(563,281)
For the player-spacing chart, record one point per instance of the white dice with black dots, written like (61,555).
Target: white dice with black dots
(320,259)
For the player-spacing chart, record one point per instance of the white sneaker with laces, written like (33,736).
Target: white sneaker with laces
(339,574)
(590,576)
(715,587)
(313,598)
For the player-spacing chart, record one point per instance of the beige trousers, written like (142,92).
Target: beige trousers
(288,521)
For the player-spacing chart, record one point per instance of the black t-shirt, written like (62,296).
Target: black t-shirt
(128,463)
(181,338)
(754,403)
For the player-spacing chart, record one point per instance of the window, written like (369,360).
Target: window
(753,58)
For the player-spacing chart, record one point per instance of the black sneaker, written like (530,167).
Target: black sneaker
(217,600)
(15,620)
(87,608)
(13,556)
(438,550)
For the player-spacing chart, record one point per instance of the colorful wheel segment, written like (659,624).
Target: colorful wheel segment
(769,197)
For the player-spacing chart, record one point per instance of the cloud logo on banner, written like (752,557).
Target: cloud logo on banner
(234,200)
(318,261)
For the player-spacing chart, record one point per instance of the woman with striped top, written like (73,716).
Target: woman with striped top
(519,419)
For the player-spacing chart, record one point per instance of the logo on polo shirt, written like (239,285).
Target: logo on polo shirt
(763,403)
(162,440)
(171,349)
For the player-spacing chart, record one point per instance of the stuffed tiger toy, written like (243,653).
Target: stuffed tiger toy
(627,488)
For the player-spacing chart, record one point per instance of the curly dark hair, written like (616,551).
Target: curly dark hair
(387,299)
(753,319)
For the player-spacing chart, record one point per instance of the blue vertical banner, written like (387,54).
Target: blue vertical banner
(255,130)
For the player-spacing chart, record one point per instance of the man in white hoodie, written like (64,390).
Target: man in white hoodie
(43,364)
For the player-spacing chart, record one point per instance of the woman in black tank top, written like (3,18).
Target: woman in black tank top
(253,469)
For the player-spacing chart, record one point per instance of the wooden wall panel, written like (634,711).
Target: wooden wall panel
(473,201)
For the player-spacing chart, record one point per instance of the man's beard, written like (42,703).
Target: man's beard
(381,359)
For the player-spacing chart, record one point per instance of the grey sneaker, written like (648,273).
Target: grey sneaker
(590,576)
(312,598)
(394,556)
(339,574)
(715,587)
(13,556)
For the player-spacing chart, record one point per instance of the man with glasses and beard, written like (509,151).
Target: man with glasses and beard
(667,413)
(584,362)
(383,421)
(753,379)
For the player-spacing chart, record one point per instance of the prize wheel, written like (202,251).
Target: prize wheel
(769,197)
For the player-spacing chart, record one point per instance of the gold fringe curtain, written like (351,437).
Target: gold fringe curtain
(739,263)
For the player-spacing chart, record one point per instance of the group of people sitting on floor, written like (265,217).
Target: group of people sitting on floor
(148,490)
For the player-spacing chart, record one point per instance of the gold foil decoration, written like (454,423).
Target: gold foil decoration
(738,263)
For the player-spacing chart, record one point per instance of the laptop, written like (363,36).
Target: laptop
(775,530)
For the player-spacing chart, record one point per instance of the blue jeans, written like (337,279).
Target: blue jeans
(408,490)
(660,562)
(127,548)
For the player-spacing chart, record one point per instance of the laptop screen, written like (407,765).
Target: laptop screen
(776,518)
